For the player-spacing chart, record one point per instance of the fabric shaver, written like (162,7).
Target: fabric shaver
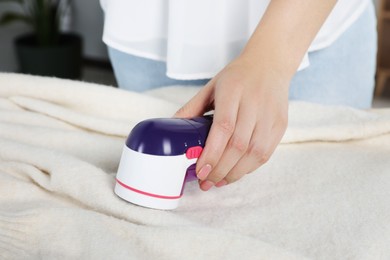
(159,157)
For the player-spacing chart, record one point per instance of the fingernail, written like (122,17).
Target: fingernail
(204,172)
(206,185)
(221,183)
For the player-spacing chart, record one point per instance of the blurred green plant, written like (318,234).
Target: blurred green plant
(42,15)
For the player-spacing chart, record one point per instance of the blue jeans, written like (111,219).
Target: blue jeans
(341,74)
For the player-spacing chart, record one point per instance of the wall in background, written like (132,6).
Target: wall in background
(87,20)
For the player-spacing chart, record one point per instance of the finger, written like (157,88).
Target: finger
(225,116)
(257,155)
(237,145)
(259,152)
(199,104)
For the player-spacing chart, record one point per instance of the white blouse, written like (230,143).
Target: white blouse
(197,38)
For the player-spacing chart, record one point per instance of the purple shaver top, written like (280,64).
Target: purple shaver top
(169,136)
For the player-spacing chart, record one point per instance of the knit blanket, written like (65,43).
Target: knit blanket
(324,194)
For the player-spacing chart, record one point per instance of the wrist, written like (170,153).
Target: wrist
(282,59)
(269,64)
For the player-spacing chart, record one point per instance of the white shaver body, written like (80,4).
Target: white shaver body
(136,170)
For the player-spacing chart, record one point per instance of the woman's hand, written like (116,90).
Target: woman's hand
(250,95)
(250,102)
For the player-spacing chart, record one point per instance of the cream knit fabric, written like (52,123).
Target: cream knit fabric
(323,195)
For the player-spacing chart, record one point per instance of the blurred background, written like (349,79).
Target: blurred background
(84,20)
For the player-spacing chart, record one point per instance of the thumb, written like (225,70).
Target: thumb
(197,105)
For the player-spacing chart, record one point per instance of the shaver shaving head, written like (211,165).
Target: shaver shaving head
(158,158)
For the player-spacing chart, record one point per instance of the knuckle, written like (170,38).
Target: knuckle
(183,110)
(226,126)
(237,143)
(259,153)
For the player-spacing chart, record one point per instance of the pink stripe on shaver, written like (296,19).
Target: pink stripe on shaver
(147,193)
